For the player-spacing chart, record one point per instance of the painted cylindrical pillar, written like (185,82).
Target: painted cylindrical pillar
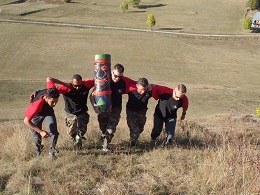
(102,88)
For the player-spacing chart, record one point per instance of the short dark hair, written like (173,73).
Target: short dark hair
(143,82)
(77,77)
(119,67)
(182,88)
(52,93)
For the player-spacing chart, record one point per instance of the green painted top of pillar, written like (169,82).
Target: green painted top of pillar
(102,57)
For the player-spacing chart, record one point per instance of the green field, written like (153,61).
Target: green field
(200,16)
(221,75)
(217,148)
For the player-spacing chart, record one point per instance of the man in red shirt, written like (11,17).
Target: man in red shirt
(166,112)
(136,106)
(108,121)
(41,109)
(75,96)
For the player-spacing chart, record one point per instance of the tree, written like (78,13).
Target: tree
(151,20)
(253,4)
(124,6)
(258,112)
(247,22)
(134,3)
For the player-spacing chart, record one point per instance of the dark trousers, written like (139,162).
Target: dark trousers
(135,121)
(50,121)
(170,124)
(109,120)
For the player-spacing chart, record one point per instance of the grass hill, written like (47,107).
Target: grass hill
(217,146)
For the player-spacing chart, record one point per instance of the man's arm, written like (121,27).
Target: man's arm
(184,107)
(57,81)
(93,103)
(43,133)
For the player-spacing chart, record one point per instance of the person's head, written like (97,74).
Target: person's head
(117,72)
(76,82)
(179,91)
(142,85)
(52,96)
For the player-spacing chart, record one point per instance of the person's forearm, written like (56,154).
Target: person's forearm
(50,79)
(31,125)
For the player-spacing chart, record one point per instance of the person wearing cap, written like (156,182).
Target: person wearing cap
(39,110)
(166,112)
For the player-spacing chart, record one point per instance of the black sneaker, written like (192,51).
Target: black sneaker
(38,151)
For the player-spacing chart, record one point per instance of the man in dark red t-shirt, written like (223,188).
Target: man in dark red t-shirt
(166,112)
(108,121)
(75,96)
(41,109)
(136,106)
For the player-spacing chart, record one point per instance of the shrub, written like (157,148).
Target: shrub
(247,22)
(151,20)
(134,3)
(253,4)
(124,6)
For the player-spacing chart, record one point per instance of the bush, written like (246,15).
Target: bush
(247,22)
(253,4)
(151,20)
(134,3)
(124,6)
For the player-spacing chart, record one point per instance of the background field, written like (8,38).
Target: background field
(200,16)
(217,147)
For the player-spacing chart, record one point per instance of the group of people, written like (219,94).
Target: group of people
(75,96)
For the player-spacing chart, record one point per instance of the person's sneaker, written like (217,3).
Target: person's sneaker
(78,142)
(153,143)
(52,156)
(55,151)
(105,147)
(38,152)
(167,141)
(82,136)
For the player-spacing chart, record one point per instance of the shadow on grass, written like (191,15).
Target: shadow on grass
(170,28)
(15,2)
(136,11)
(31,12)
(150,6)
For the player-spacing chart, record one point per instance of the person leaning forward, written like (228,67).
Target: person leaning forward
(136,106)
(75,96)
(39,110)
(166,112)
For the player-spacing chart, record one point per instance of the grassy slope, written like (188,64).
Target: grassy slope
(216,155)
(222,73)
(201,16)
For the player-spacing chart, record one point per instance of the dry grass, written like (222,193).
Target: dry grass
(217,148)
(200,16)
(202,161)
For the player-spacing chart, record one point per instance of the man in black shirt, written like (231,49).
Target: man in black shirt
(108,121)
